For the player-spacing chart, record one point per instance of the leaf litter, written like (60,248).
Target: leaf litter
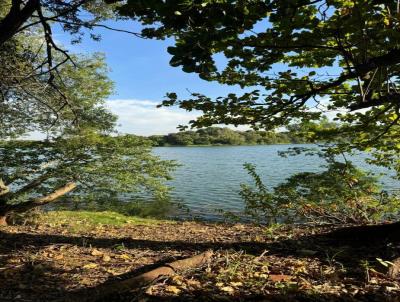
(44,262)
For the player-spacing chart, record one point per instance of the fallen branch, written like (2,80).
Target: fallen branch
(117,287)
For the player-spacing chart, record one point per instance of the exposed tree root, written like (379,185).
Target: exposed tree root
(117,287)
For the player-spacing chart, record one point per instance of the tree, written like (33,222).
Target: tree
(78,158)
(48,90)
(31,61)
(329,55)
(29,102)
(83,165)
(226,136)
(32,105)
(182,138)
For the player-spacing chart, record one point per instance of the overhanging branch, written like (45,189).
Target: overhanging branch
(40,201)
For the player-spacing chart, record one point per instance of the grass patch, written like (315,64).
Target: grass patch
(87,220)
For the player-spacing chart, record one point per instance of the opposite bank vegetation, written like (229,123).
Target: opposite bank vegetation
(216,136)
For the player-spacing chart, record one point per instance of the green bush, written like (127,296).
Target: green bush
(340,194)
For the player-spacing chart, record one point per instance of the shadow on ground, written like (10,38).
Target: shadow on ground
(42,281)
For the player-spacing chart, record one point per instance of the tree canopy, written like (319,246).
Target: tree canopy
(37,71)
(97,167)
(295,60)
(78,160)
(226,136)
(29,103)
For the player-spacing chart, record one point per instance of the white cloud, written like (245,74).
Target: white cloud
(141,117)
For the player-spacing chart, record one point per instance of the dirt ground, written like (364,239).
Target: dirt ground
(46,262)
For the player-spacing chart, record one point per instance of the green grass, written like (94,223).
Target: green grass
(84,220)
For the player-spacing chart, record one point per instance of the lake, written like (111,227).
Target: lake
(209,177)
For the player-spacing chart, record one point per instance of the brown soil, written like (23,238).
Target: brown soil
(250,263)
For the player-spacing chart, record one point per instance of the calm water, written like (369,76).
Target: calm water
(209,177)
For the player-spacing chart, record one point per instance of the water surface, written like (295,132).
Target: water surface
(210,177)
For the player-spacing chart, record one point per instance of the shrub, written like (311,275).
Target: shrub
(340,194)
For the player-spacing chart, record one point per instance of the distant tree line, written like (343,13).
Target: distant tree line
(226,136)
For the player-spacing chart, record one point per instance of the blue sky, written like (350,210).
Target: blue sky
(140,67)
(142,75)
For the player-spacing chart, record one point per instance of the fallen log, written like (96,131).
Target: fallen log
(122,286)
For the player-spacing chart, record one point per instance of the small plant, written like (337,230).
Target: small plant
(385,263)
(27,218)
(340,194)
(332,259)
(272,230)
(260,203)
(366,266)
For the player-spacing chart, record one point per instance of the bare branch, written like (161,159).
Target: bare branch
(90,25)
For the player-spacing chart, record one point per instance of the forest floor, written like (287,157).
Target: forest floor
(70,252)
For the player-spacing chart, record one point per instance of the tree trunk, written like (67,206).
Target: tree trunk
(3,213)
(3,220)
(6,209)
(40,201)
(16,17)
